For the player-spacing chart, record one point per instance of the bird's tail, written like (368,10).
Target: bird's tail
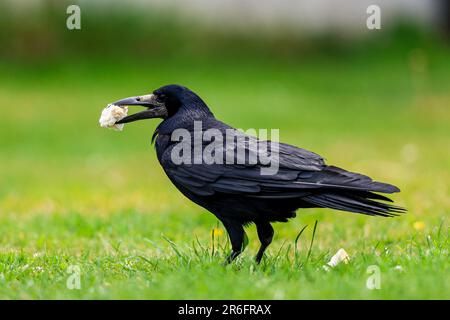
(364,202)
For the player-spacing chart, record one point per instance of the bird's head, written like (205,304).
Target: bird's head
(164,103)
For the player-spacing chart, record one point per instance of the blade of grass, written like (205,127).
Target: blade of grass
(295,244)
(174,248)
(213,231)
(312,242)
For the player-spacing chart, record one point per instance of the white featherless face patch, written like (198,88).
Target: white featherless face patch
(110,115)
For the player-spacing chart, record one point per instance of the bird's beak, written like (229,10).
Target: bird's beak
(155,109)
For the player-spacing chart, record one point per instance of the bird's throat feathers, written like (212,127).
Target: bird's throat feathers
(192,108)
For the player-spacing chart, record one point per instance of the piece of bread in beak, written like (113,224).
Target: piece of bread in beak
(111,114)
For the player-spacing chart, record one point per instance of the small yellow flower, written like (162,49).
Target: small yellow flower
(419,225)
(216,232)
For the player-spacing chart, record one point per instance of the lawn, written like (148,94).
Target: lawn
(74,196)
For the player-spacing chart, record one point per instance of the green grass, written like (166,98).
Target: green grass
(72,193)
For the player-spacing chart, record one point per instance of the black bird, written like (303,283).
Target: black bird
(238,194)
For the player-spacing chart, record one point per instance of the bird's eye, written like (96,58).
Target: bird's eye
(161,97)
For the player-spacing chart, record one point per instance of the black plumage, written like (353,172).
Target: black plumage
(237,193)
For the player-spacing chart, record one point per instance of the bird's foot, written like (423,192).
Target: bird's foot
(231,258)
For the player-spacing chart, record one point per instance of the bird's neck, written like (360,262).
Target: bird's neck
(184,118)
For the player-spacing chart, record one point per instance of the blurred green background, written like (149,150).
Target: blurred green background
(72,193)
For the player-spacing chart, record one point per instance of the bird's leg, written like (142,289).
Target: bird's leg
(236,234)
(265,235)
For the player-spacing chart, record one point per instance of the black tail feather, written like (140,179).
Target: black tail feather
(358,202)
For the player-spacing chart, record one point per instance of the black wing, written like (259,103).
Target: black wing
(301,175)
(299,170)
